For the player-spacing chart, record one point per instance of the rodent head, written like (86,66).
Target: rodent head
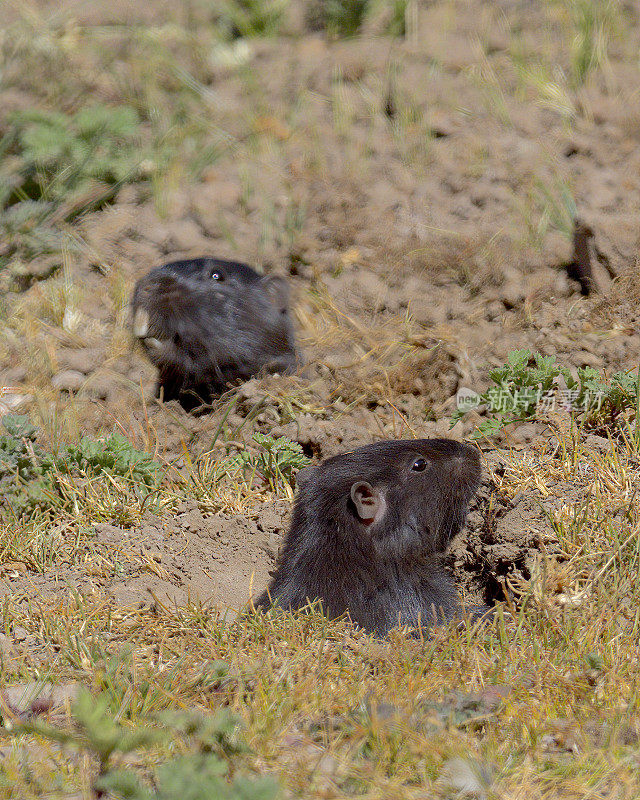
(406,498)
(206,316)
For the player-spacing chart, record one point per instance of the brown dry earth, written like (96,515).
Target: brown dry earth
(414,269)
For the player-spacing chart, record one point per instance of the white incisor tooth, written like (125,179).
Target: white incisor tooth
(154,342)
(141,323)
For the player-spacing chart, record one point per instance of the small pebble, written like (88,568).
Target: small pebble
(69,380)
(20,634)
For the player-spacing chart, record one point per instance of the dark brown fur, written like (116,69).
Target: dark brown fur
(579,268)
(206,323)
(367,531)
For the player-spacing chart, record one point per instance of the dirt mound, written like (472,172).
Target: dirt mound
(503,539)
(224,559)
(203,557)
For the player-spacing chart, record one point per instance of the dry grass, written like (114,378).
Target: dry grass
(376,361)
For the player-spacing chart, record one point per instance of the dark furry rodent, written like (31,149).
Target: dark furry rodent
(206,323)
(367,529)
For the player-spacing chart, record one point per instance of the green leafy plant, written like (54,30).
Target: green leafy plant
(250,18)
(618,399)
(340,18)
(24,467)
(276,462)
(199,775)
(55,166)
(30,477)
(94,730)
(114,455)
(58,154)
(522,391)
(345,18)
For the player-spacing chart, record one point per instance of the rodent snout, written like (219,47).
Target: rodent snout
(166,289)
(157,298)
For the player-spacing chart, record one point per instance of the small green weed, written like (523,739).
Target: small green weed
(252,18)
(56,166)
(32,478)
(221,478)
(522,391)
(202,774)
(24,467)
(341,18)
(58,155)
(276,462)
(114,455)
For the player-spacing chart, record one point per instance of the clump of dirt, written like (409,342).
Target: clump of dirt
(502,540)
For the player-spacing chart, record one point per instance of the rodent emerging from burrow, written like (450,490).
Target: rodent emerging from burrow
(367,530)
(206,323)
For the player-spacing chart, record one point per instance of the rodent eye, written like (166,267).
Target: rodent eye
(419,465)
(216,275)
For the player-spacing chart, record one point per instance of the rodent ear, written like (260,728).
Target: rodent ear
(369,502)
(303,475)
(278,290)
